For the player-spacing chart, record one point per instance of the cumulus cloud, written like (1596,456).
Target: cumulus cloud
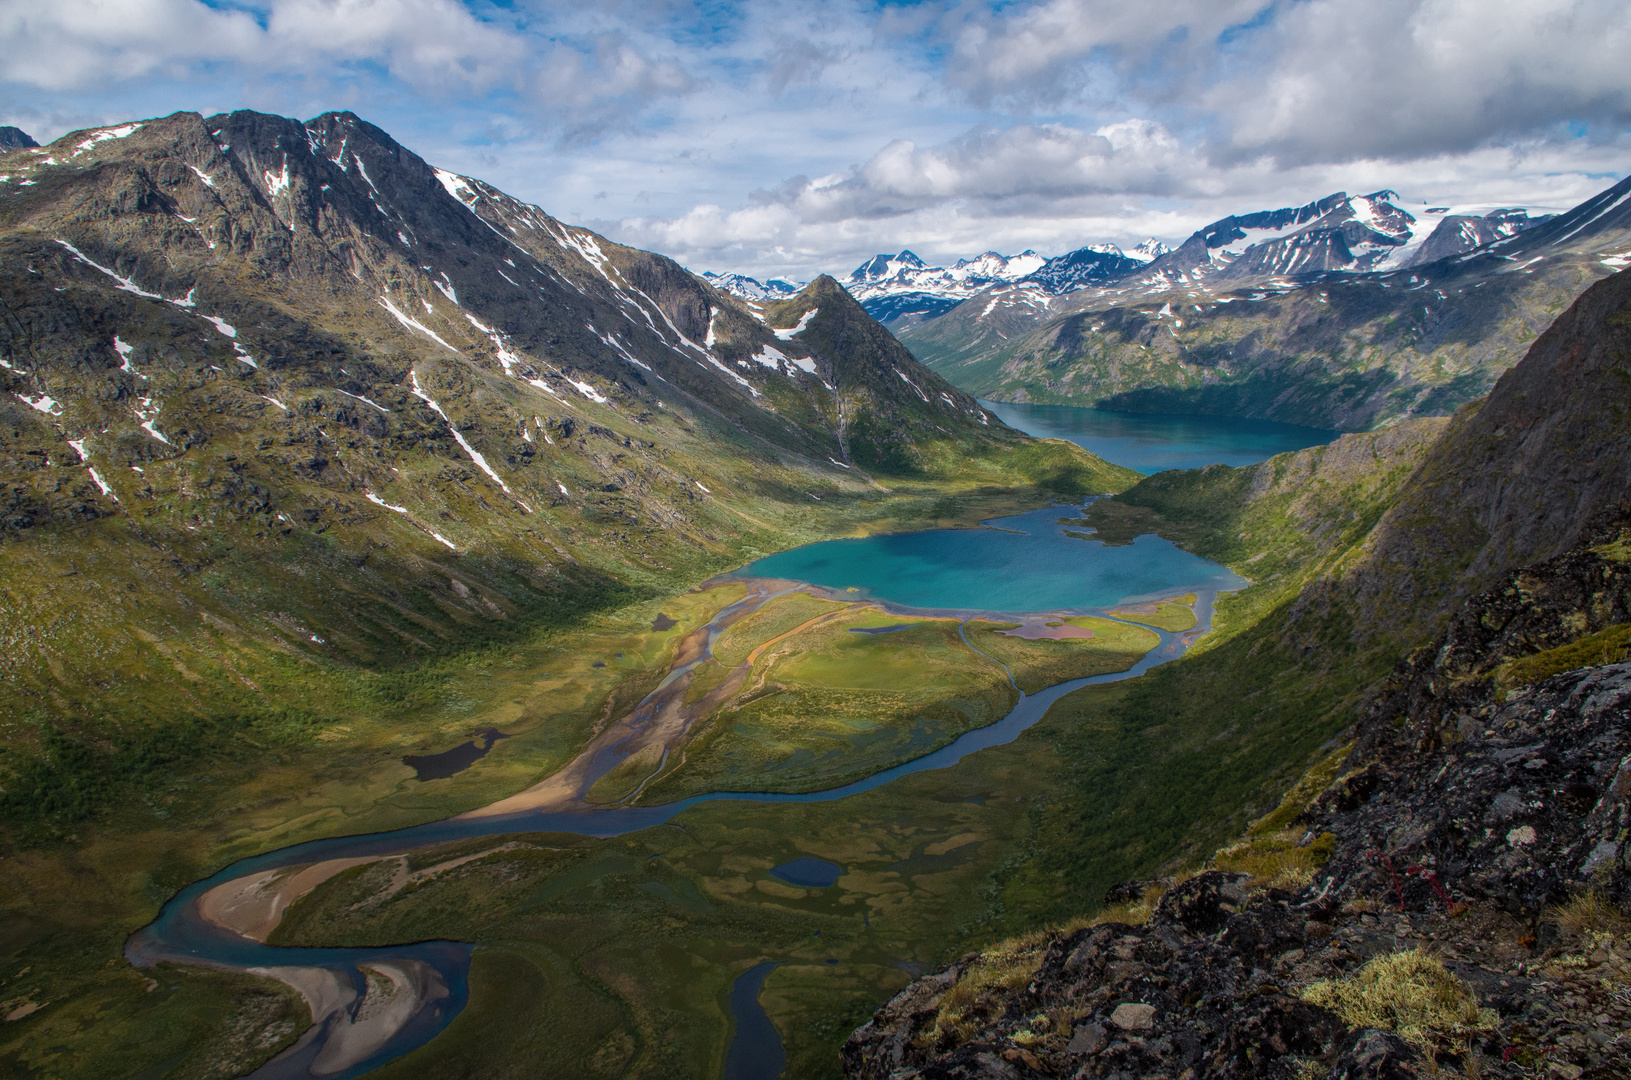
(1054,188)
(1047,51)
(80,44)
(1410,78)
(1312,80)
(1028,163)
(785,136)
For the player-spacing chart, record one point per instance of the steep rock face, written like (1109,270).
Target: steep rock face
(1514,479)
(1438,692)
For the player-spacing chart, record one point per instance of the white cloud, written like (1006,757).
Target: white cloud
(1410,78)
(81,44)
(948,126)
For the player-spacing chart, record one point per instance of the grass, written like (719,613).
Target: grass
(1589,912)
(982,992)
(1045,662)
(1607,646)
(1410,993)
(1174,616)
(826,704)
(620,961)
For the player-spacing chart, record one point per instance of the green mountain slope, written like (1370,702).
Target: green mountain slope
(1342,350)
(282,405)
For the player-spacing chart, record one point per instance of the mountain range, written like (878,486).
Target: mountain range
(1348,313)
(901,290)
(251,366)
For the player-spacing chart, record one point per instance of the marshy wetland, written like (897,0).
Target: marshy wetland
(596,921)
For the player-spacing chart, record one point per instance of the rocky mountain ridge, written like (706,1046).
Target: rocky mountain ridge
(1328,315)
(901,290)
(286,385)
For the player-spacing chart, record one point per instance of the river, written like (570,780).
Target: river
(1029,563)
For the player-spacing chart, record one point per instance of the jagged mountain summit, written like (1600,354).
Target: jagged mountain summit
(1356,234)
(1345,313)
(902,287)
(239,345)
(13,138)
(752,288)
(901,290)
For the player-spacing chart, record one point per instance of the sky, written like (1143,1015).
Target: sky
(782,138)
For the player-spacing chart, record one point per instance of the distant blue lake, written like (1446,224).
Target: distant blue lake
(1151,443)
(1023,563)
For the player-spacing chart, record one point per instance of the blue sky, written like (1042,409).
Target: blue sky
(794,138)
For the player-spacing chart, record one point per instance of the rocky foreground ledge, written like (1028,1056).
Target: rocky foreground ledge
(1468,916)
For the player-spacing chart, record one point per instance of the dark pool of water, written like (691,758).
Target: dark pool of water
(756,1050)
(879,629)
(808,873)
(1152,443)
(461,757)
(1026,563)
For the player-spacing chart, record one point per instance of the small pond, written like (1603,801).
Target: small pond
(808,873)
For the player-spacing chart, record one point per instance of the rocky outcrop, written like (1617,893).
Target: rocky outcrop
(1485,826)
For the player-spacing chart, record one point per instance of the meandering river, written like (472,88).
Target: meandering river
(1022,565)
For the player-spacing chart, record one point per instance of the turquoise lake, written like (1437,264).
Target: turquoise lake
(1150,443)
(1017,564)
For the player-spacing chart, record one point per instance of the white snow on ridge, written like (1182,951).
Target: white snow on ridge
(102,136)
(381,502)
(277,183)
(475,455)
(912,384)
(124,283)
(588,391)
(414,324)
(446,287)
(459,188)
(804,321)
(44,403)
(147,412)
(770,357)
(362,399)
(103,484)
(124,352)
(209,181)
(222,325)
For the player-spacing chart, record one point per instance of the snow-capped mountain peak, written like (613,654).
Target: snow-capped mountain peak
(1147,250)
(752,288)
(887,267)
